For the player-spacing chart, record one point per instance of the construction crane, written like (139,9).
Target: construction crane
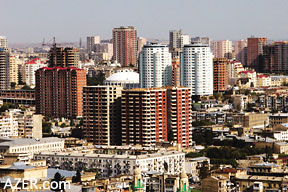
(54,44)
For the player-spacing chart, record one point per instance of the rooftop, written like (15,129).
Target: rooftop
(24,141)
(124,76)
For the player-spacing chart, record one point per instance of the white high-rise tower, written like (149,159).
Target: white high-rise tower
(197,69)
(155,66)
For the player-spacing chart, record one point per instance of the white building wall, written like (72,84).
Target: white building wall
(197,69)
(155,66)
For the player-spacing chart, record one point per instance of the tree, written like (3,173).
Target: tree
(204,170)
(77,133)
(46,127)
(72,122)
(63,125)
(57,183)
(13,84)
(97,80)
(77,177)
(26,87)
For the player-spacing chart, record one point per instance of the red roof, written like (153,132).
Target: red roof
(247,72)
(60,68)
(227,170)
(261,76)
(33,61)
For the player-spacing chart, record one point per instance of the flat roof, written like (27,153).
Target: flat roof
(24,141)
(108,156)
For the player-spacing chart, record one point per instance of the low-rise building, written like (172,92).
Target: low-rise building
(31,146)
(214,184)
(172,162)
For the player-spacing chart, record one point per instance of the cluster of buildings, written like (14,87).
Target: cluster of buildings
(151,101)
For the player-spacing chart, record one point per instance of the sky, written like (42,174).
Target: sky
(29,21)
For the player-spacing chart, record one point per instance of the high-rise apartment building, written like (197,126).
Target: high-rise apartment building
(176,42)
(175,72)
(180,115)
(144,116)
(239,51)
(201,40)
(125,45)
(255,52)
(4,69)
(141,41)
(197,69)
(3,42)
(63,57)
(175,39)
(91,41)
(220,74)
(222,49)
(29,69)
(13,67)
(58,91)
(276,57)
(155,66)
(102,114)
(103,51)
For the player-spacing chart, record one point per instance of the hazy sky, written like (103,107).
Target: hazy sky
(24,21)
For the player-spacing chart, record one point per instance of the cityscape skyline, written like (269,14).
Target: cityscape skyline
(69,24)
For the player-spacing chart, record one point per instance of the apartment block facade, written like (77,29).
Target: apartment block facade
(58,91)
(144,116)
(101,114)
(125,45)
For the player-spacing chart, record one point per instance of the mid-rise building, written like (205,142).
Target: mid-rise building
(101,114)
(13,67)
(222,49)
(29,125)
(103,52)
(179,115)
(31,146)
(144,116)
(251,77)
(29,69)
(220,74)
(110,165)
(155,66)
(197,69)
(240,51)
(201,40)
(91,41)
(125,45)
(58,91)
(176,42)
(276,57)
(3,42)
(255,53)
(141,41)
(63,57)
(4,69)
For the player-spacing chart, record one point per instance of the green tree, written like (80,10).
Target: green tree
(46,127)
(26,87)
(204,170)
(13,85)
(63,125)
(77,177)
(77,133)
(72,121)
